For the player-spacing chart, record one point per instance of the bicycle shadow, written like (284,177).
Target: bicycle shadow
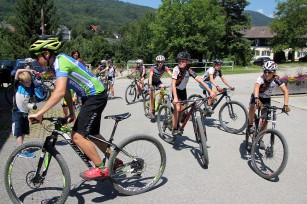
(179,144)
(210,122)
(115,98)
(245,155)
(105,189)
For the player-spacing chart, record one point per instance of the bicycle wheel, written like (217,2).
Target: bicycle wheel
(130,94)
(146,102)
(233,117)
(164,121)
(202,141)
(9,92)
(48,92)
(144,161)
(269,153)
(22,184)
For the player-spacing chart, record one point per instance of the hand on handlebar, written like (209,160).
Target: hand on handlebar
(232,88)
(212,94)
(34,118)
(219,89)
(286,109)
(71,118)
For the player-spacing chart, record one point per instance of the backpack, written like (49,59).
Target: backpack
(40,91)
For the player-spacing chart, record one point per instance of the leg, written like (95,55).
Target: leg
(112,88)
(152,101)
(87,147)
(20,139)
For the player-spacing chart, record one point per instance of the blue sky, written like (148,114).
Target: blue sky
(266,7)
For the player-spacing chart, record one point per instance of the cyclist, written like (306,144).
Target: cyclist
(112,70)
(180,78)
(100,68)
(73,75)
(142,70)
(263,89)
(154,80)
(209,79)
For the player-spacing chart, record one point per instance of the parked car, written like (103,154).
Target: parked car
(6,66)
(260,61)
(20,64)
(303,59)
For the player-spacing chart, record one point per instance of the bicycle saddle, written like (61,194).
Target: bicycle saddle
(118,117)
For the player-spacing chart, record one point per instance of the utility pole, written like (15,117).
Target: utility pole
(42,18)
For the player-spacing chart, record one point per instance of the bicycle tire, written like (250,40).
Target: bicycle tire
(234,117)
(18,173)
(146,102)
(202,141)
(266,153)
(136,175)
(130,91)
(9,92)
(164,121)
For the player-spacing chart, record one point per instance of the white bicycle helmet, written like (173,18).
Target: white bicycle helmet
(139,61)
(269,66)
(103,62)
(29,60)
(160,58)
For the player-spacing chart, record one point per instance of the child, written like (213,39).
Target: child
(23,92)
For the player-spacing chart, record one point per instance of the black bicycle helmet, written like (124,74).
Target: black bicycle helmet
(183,56)
(217,61)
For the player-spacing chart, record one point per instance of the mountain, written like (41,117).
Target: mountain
(258,19)
(109,14)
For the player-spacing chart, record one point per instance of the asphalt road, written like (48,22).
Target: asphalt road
(229,178)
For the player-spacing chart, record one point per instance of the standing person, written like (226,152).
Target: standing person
(263,89)
(76,55)
(72,75)
(180,78)
(154,80)
(100,69)
(112,72)
(23,91)
(142,70)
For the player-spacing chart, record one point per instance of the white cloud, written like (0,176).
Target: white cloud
(260,11)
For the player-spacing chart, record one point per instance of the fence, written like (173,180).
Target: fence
(194,65)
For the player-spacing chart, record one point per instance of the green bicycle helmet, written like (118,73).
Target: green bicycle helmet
(44,42)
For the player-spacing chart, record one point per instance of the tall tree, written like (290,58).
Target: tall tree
(28,21)
(236,20)
(290,25)
(192,25)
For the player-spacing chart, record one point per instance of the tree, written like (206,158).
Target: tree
(192,25)
(236,47)
(289,25)
(28,22)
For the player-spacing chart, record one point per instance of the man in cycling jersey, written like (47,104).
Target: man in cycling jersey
(180,78)
(142,70)
(263,89)
(71,74)
(154,80)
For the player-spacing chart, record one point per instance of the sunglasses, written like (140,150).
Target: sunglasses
(267,72)
(35,55)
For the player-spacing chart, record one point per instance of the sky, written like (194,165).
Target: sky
(266,7)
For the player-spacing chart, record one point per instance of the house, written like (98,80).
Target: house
(65,32)
(5,25)
(260,37)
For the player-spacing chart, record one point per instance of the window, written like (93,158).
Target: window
(265,53)
(301,54)
(257,52)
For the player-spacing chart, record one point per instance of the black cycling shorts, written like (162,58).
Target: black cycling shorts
(157,84)
(89,118)
(181,94)
(264,101)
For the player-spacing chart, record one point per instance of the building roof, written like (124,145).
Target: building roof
(258,32)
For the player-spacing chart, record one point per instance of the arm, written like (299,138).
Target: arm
(256,90)
(175,99)
(169,72)
(22,70)
(55,98)
(286,94)
(198,79)
(214,84)
(150,79)
(226,82)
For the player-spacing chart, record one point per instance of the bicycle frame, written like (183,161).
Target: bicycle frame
(50,143)
(223,95)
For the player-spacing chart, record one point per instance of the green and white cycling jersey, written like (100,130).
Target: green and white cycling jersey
(83,82)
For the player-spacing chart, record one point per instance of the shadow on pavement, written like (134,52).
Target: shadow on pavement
(5,119)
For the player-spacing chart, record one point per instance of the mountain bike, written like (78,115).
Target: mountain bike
(269,149)
(193,109)
(131,92)
(161,97)
(46,177)
(232,114)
